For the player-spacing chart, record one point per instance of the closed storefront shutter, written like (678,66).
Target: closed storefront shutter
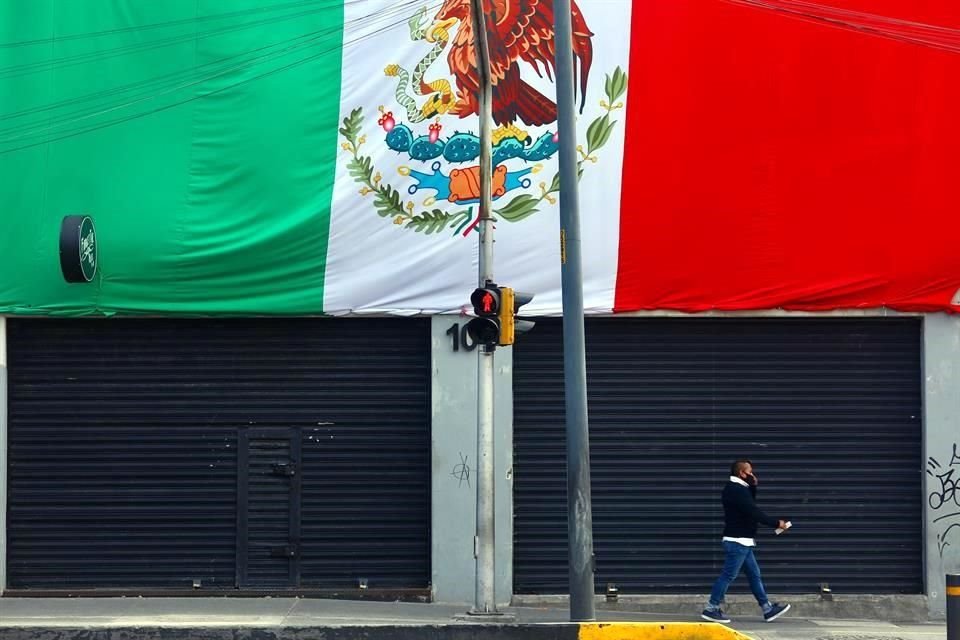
(828,410)
(253,454)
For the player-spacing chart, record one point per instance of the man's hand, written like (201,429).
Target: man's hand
(782,524)
(752,479)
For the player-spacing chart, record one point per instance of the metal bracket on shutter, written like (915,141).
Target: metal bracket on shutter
(287,551)
(284,469)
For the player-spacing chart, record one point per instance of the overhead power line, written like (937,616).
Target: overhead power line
(97,56)
(180,80)
(156,25)
(117,121)
(908,31)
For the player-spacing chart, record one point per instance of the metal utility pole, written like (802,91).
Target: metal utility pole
(485,596)
(579,510)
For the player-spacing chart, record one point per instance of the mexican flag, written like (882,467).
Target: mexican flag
(300,157)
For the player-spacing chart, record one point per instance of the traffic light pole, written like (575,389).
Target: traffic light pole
(579,511)
(485,112)
(485,595)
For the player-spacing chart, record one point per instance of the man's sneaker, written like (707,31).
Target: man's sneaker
(775,611)
(714,616)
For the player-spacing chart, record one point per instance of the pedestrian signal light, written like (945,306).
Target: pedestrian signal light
(484,331)
(486,301)
(485,328)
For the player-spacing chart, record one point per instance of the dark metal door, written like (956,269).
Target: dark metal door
(829,409)
(125,447)
(126,438)
(268,514)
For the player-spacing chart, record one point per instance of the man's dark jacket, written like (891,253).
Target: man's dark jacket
(740,512)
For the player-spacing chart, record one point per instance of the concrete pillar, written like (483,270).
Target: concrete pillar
(454,444)
(941,378)
(3,453)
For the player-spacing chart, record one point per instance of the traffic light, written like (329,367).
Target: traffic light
(510,324)
(486,301)
(496,309)
(485,328)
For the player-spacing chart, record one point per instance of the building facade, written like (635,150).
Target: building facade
(241,239)
(326,456)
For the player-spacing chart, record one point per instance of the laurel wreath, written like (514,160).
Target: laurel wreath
(389,204)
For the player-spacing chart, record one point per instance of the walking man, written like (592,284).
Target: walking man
(741,517)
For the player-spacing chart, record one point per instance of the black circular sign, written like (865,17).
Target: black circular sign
(78,249)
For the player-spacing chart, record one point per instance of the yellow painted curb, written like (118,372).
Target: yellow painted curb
(658,631)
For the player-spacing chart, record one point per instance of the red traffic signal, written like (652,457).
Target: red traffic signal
(486,301)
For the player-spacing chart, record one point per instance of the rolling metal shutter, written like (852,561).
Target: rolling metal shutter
(829,411)
(125,437)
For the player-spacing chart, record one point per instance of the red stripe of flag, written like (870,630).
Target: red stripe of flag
(774,160)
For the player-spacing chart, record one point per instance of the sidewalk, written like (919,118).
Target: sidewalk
(300,619)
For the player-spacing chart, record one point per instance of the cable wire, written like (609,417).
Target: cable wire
(155,25)
(933,36)
(33,129)
(117,121)
(175,75)
(96,56)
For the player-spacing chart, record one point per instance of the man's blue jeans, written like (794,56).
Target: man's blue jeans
(737,557)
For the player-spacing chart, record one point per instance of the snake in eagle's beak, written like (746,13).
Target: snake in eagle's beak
(439,30)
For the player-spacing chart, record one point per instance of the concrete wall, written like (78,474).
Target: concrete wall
(454,467)
(941,444)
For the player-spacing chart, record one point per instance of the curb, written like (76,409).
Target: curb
(471,631)
(888,608)
(658,631)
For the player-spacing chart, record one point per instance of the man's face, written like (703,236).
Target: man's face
(746,471)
